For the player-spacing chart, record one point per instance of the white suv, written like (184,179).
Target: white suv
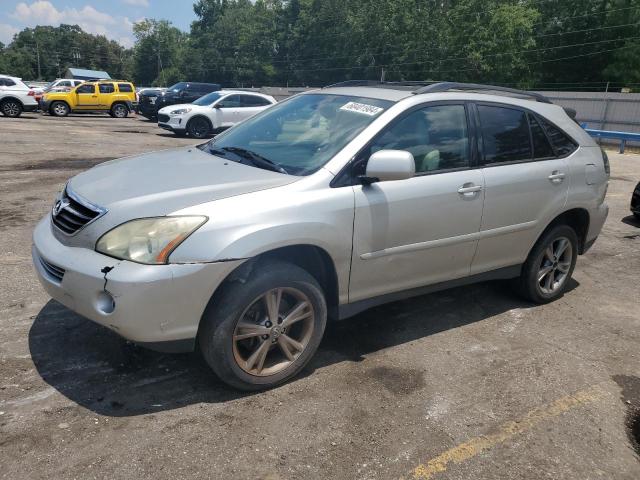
(216,110)
(15,97)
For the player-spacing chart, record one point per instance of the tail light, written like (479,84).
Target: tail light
(31,93)
(605,160)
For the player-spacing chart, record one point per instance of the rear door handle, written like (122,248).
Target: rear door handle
(469,189)
(556,177)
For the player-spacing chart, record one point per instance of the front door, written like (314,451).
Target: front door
(87,97)
(229,109)
(525,185)
(423,230)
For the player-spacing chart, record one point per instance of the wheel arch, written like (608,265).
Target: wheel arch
(200,115)
(576,218)
(313,259)
(53,102)
(11,97)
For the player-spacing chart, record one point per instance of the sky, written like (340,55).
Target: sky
(112,18)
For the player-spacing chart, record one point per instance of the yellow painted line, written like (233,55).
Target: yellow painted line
(477,445)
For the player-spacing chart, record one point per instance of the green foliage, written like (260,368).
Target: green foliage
(523,43)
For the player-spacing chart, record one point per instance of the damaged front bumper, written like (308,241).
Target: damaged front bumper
(158,306)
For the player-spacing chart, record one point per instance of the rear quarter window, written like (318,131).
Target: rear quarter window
(125,87)
(561,142)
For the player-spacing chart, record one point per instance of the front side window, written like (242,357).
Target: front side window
(232,101)
(561,142)
(87,88)
(300,134)
(106,88)
(64,84)
(505,134)
(436,136)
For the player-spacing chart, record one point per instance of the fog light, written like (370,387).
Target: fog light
(106,303)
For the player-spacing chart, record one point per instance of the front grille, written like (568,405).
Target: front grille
(56,273)
(163,118)
(71,213)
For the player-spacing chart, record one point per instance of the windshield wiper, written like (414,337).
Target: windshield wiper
(255,158)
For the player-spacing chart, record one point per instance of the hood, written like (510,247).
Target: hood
(150,93)
(170,108)
(159,183)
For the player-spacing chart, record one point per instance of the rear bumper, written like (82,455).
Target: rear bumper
(597,217)
(158,306)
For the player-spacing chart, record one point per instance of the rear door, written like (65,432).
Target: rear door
(106,91)
(87,97)
(250,105)
(422,230)
(525,184)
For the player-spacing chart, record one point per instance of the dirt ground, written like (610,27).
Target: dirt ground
(470,383)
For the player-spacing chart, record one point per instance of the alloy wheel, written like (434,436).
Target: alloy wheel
(60,109)
(273,331)
(555,265)
(119,111)
(11,109)
(199,128)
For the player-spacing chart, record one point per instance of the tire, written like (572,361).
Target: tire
(198,127)
(11,108)
(231,358)
(59,109)
(119,110)
(539,287)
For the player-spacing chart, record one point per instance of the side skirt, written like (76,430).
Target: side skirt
(351,309)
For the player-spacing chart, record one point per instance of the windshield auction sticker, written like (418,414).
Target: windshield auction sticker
(363,108)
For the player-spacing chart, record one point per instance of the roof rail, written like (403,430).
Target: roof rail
(447,86)
(355,83)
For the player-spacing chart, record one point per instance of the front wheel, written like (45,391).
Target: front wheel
(198,127)
(119,110)
(262,332)
(550,264)
(11,108)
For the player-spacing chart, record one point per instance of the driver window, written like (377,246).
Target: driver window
(89,88)
(232,101)
(436,136)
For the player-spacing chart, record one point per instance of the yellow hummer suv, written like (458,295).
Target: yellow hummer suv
(113,96)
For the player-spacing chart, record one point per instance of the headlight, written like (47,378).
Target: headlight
(148,240)
(180,111)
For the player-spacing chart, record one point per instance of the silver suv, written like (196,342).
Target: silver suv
(318,208)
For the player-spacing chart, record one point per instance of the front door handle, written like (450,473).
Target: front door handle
(556,177)
(469,189)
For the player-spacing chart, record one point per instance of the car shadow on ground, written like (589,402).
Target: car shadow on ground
(631,220)
(102,372)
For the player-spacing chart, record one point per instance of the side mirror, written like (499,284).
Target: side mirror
(387,165)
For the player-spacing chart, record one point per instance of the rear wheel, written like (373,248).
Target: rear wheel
(550,264)
(198,127)
(260,333)
(119,110)
(11,108)
(59,109)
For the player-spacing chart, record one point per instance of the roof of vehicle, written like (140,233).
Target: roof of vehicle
(243,92)
(11,77)
(396,91)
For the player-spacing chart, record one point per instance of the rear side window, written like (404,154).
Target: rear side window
(541,146)
(505,134)
(254,101)
(207,88)
(106,88)
(232,101)
(125,87)
(560,141)
(6,82)
(436,136)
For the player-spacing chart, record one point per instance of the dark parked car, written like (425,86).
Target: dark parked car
(635,202)
(151,100)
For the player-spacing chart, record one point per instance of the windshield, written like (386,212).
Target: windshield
(300,135)
(208,99)
(177,87)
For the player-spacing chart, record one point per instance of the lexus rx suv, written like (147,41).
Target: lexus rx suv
(319,207)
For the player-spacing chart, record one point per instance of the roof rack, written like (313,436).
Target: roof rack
(447,86)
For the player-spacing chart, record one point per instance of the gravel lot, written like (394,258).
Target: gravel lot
(470,383)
